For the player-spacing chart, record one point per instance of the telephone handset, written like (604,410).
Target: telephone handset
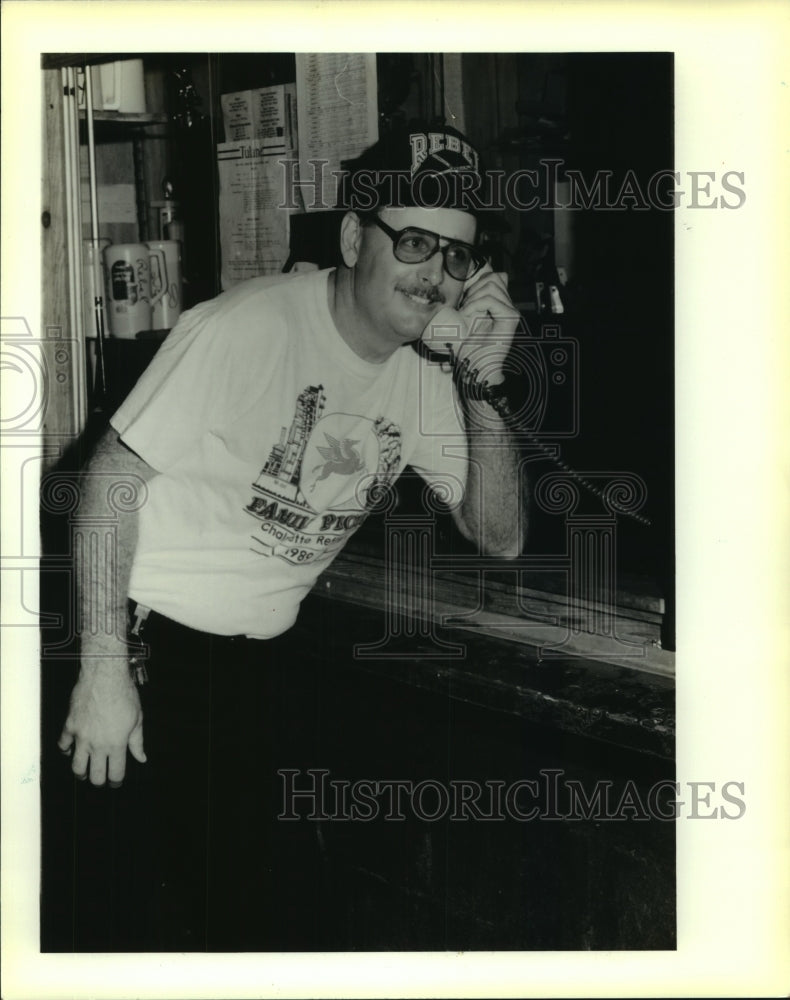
(449,326)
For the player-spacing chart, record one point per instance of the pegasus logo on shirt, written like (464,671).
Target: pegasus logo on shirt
(341,457)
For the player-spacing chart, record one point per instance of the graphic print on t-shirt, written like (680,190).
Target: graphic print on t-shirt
(313,489)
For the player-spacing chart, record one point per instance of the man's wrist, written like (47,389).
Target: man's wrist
(476,391)
(102,653)
(492,402)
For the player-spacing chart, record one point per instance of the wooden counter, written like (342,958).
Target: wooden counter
(490,645)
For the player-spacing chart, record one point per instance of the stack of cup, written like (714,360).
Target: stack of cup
(166,283)
(143,287)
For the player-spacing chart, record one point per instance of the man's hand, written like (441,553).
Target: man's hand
(492,320)
(104,719)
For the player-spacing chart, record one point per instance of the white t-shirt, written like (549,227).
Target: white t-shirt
(268,432)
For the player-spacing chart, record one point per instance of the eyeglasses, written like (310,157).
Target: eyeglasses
(414,246)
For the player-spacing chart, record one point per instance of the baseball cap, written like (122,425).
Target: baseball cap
(418,165)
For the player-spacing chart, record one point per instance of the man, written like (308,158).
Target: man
(257,438)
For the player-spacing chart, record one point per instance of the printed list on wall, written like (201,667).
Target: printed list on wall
(260,126)
(337,107)
(282,144)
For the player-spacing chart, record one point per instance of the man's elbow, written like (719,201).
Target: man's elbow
(497,544)
(501,549)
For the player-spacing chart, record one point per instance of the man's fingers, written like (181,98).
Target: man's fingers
(103,767)
(65,741)
(493,281)
(79,764)
(100,744)
(491,300)
(136,744)
(117,767)
(98,768)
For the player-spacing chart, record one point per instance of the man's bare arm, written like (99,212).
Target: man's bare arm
(105,715)
(494,511)
(493,514)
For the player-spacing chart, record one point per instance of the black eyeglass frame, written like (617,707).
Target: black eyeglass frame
(478,260)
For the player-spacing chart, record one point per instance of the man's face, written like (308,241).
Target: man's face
(397,299)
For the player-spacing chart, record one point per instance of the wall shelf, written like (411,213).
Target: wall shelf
(127,117)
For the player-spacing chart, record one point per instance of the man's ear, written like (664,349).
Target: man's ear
(350,238)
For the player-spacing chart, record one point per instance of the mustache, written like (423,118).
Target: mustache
(430,295)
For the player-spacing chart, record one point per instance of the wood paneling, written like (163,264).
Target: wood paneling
(62,353)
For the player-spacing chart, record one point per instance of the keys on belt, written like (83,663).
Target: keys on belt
(137,660)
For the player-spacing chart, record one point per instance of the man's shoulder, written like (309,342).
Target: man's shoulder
(260,306)
(271,288)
